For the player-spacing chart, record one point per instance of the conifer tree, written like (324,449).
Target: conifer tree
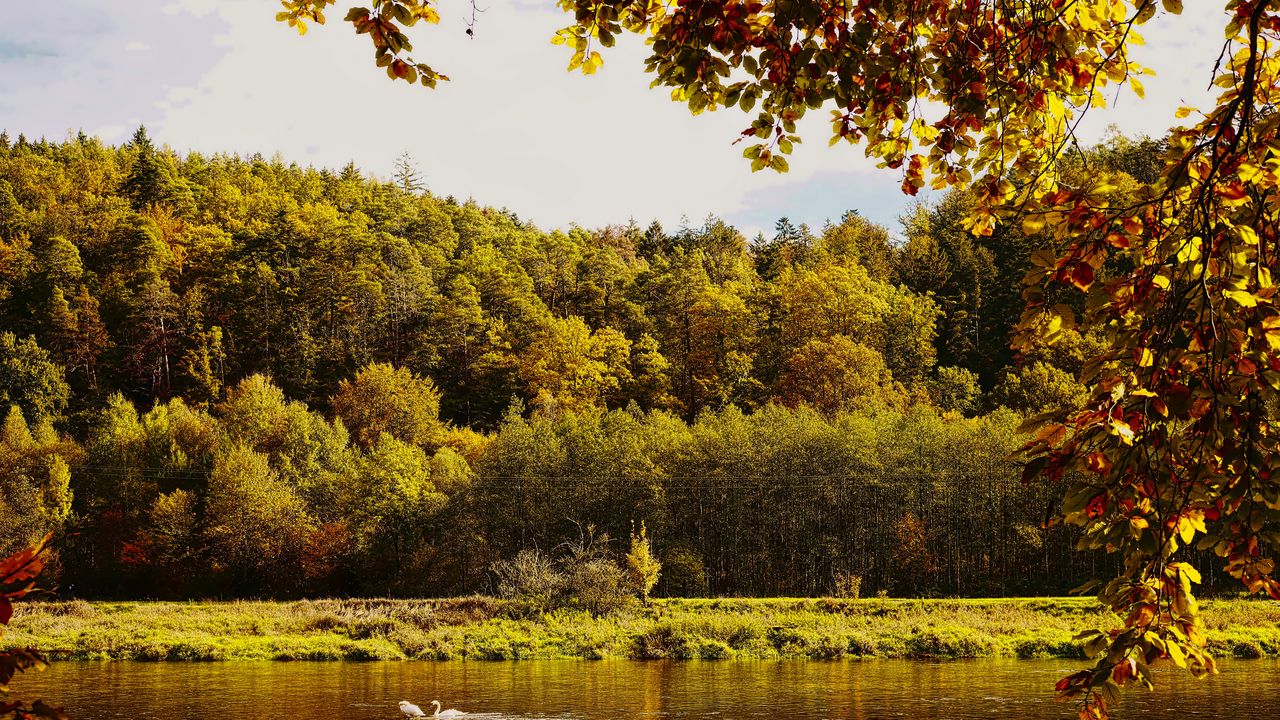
(406,174)
(150,180)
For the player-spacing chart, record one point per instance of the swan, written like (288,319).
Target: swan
(411,710)
(450,713)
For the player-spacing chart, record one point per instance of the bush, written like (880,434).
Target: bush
(531,577)
(848,585)
(599,585)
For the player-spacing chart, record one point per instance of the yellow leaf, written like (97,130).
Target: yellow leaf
(1242,298)
(1189,251)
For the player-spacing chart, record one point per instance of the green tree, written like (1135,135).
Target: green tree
(956,389)
(77,334)
(35,481)
(256,526)
(390,505)
(576,367)
(150,180)
(30,379)
(1038,387)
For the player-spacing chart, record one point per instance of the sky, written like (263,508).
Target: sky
(512,129)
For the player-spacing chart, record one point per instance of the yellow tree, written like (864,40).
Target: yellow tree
(386,399)
(642,566)
(574,366)
(838,374)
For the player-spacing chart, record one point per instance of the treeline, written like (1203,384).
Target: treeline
(237,376)
(266,497)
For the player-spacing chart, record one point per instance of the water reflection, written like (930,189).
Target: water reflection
(621,690)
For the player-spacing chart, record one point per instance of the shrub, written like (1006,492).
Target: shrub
(531,577)
(599,585)
(848,585)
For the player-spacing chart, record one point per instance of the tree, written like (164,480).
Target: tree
(30,379)
(839,374)
(385,399)
(642,567)
(78,334)
(256,525)
(150,180)
(389,507)
(1037,388)
(955,389)
(915,564)
(35,481)
(574,366)
(406,174)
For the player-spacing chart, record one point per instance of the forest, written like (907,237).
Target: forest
(238,377)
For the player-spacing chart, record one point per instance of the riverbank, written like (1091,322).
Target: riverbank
(488,629)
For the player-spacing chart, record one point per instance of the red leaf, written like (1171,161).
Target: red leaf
(1082,276)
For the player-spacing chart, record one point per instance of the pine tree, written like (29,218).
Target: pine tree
(78,335)
(150,179)
(350,172)
(92,336)
(63,326)
(205,364)
(406,174)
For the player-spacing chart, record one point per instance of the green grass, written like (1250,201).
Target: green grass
(486,629)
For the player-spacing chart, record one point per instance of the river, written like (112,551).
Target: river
(626,690)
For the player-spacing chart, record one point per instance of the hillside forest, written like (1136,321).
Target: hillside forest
(232,376)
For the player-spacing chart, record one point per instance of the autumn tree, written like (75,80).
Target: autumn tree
(915,563)
(385,399)
(576,367)
(18,575)
(256,525)
(30,379)
(35,480)
(642,567)
(839,374)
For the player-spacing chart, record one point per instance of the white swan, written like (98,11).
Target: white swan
(411,710)
(450,713)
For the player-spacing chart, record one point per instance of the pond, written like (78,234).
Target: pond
(625,690)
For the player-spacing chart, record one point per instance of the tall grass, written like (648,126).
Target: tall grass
(479,628)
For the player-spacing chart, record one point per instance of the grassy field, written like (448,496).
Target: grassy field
(488,629)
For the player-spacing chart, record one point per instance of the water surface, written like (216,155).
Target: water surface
(626,690)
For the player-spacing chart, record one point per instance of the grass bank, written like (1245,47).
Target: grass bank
(488,629)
